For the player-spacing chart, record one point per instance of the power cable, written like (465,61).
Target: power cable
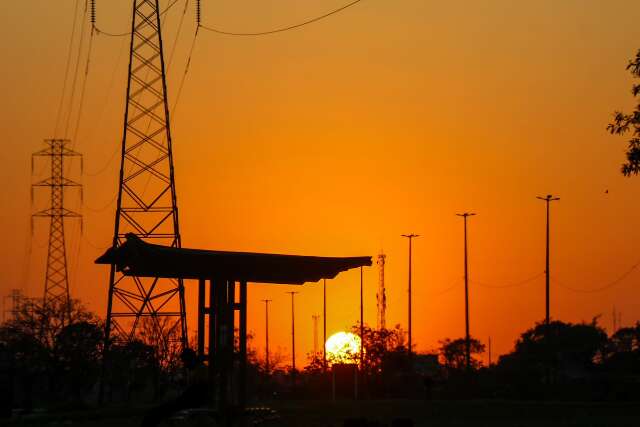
(97,210)
(456,282)
(66,72)
(510,285)
(117,148)
(602,287)
(75,76)
(184,76)
(282,29)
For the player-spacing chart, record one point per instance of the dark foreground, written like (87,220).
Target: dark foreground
(383,413)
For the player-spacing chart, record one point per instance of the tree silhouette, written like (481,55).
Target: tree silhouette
(624,123)
(453,353)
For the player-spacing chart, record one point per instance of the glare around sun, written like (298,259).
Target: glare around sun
(343,347)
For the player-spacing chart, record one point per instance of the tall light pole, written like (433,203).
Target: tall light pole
(547,199)
(361,321)
(324,323)
(266,334)
(293,337)
(410,237)
(467,339)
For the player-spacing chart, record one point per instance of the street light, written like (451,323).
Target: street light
(549,198)
(410,237)
(466,293)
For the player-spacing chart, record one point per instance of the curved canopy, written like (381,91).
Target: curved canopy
(139,258)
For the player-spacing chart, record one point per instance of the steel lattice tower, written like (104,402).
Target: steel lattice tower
(146,204)
(381,296)
(56,283)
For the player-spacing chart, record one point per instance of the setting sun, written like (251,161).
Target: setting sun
(343,347)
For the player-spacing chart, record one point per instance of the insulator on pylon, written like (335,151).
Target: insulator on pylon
(198,12)
(93,13)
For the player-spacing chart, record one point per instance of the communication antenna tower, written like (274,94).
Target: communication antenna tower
(381,296)
(56,282)
(146,203)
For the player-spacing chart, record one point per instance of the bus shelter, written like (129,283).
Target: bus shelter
(222,296)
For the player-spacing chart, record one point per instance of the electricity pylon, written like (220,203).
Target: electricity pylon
(146,204)
(56,282)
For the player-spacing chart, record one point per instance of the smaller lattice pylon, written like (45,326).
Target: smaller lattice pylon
(16,299)
(56,283)
(381,296)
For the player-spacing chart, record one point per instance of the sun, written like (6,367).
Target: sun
(343,347)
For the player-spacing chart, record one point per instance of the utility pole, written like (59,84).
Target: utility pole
(361,320)
(409,349)
(324,323)
(489,351)
(549,198)
(466,294)
(381,296)
(315,318)
(293,338)
(56,283)
(266,333)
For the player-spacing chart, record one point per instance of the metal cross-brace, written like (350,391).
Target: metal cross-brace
(56,284)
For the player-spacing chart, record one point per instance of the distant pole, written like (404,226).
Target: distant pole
(324,323)
(489,351)
(467,338)
(361,321)
(315,317)
(547,199)
(266,332)
(293,338)
(410,237)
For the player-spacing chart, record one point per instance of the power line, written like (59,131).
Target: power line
(66,72)
(509,285)
(602,287)
(75,78)
(282,29)
(456,282)
(184,75)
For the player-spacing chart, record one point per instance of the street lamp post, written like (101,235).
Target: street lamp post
(549,198)
(293,338)
(409,349)
(266,327)
(466,294)
(324,324)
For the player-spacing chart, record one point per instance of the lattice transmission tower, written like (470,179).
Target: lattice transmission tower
(146,203)
(381,296)
(56,282)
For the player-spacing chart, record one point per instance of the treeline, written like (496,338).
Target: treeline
(559,361)
(52,357)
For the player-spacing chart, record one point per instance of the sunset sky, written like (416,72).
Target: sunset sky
(336,138)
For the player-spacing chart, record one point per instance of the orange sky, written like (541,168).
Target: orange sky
(335,139)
